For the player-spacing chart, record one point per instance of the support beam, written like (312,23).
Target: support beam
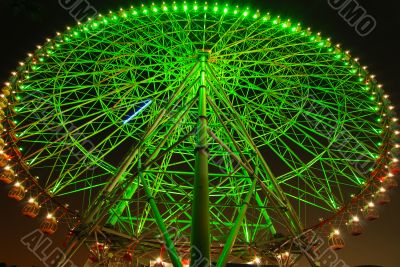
(173,254)
(200,232)
(236,227)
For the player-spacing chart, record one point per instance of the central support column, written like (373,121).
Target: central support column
(200,238)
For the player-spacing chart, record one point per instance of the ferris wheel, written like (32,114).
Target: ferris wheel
(196,133)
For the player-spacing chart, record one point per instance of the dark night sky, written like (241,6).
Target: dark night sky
(26,23)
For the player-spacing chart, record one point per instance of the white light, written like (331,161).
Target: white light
(31,200)
(17,184)
(336,232)
(257,260)
(356,219)
(391,107)
(49,216)
(395,160)
(395,119)
(382,189)
(146,104)
(159,260)
(371,204)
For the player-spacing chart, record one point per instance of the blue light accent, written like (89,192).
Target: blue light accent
(137,112)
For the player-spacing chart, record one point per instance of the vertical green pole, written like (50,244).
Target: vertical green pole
(200,232)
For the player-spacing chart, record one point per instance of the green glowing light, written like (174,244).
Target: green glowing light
(265,89)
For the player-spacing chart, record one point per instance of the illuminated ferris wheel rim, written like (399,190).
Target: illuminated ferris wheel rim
(215,9)
(245,14)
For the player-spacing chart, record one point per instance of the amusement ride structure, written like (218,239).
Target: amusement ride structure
(196,134)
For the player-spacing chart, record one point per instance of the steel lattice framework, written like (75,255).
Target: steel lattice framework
(195,125)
